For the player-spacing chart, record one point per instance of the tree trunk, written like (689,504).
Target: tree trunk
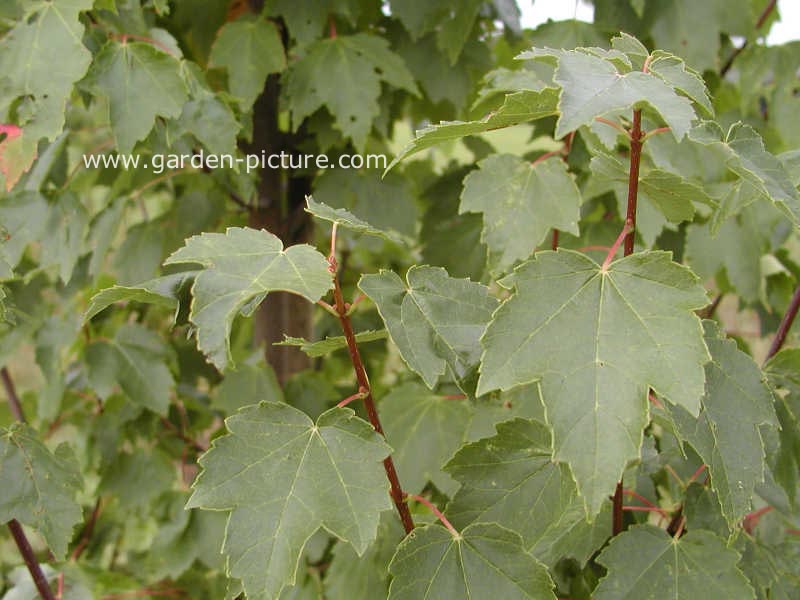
(279,209)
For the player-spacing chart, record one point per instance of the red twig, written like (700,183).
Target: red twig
(24,546)
(616,515)
(396,491)
(39,580)
(14,403)
(432,507)
(786,325)
(759,24)
(545,156)
(633,178)
(679,532)
(654,509)
(88,529)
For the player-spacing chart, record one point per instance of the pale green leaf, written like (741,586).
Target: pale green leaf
(511,479)
(631,327)
(727,433)
(521,203)
(592,87)
(39,486)
(646,562)
(344,74)
(747,157)
(243,265)
(324,474)
(135,359)
(162,291)
(517,108)
(141,82)
(783,371)
(674,72)
(434,319)
(249,48)
(329,344)
(484,561)
(346,219)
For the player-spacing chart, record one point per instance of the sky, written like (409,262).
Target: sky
(786,30)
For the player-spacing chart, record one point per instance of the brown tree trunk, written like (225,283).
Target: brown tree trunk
(279,209)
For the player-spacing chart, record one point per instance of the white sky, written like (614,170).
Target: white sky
(786,30)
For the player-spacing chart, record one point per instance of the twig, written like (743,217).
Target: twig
(11,393)
(359,395)
(24,546)
(627,228)
(786,325)
(432,507)
(759,24)
(396,491)
(633,178)
(88,529)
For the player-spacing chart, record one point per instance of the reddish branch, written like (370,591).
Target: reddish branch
(786,324)
(633,178)
(24,546)
(340,307)
(759,24)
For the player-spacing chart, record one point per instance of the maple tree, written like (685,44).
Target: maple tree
(548,353)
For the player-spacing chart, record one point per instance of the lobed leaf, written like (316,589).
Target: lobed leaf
(282,477)
(631,327)
(242,266)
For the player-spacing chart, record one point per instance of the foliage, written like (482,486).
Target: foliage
(567,302)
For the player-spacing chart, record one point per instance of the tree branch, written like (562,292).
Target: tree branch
(759,24)
(396,491)
(786,324)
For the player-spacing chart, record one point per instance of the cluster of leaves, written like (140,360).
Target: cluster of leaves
(520,389)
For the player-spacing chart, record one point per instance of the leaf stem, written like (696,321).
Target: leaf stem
(613,124)
(396,491)
(786,324)
(613,250)
(432,507)
(359,395)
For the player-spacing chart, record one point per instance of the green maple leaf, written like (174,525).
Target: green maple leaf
(249,48)
(329,344)
(747,157)
(343,217)
(518,107)
(727,434)
(40,59)
(135,359)
(242,266)
(434,319)
(282,477)
(646,562)
(510,479)
(344,74)
(162,291)
(483,561)
(631,327)
(521,203)
(39,486)
(596,82)
(141,83)
(425,430)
